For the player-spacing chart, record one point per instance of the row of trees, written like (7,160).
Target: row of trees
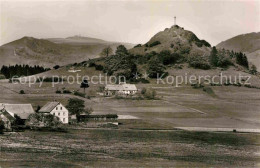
(21,70)
(222,58)
(123,63)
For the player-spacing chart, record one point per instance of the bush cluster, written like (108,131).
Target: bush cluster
(155,43)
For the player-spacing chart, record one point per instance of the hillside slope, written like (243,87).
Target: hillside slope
(175,39)
(246,43)
(50,52)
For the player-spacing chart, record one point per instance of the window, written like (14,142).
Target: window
(58,114)
(63,119)
(60,108)
(56,108)
(64,113)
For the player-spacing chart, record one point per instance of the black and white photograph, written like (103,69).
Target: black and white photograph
(129,83)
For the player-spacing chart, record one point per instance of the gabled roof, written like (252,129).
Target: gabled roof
(21,110)
(47,108)
(7,115)
(130,87)
(114,87)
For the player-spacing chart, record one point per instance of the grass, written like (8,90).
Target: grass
(109,148)
(142,145)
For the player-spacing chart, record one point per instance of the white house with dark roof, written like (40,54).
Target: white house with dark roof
(56,109)
(21,110)
(123,89)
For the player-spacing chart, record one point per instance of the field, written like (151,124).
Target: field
(129,148)
(150,138)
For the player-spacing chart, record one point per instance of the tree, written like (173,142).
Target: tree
(167,58)
(45,120)
(253,70)
(121,64)
(76,107)
(150,94)
(106,52)
(84,84)
(213,58)
(21,92)
(241,59)
(121,50)
(155,68)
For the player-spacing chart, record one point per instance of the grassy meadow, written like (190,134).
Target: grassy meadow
(129,148)
(149,140)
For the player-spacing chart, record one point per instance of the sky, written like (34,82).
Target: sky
(126,21)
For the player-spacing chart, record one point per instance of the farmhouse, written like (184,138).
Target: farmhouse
(56,109)
(7,119)
(21,110)
(121,89)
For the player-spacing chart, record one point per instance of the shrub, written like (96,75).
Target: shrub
(209,91)
(58,92)
(167,57)
(2,77)
(253,70)
(150,94)
(138,45)
(197,85)
(224,62)
(22,92)
(154,43)
(56,67)
(99,67)
(198,62)
(199,44)
(205,43)
(66,92)
(143,91)
(142,80)
(92,64)
(80,94)
(101,88)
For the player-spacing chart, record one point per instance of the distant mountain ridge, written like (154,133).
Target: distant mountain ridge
(246,43)
(53,51)
(77,40)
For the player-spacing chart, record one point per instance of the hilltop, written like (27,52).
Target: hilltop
(246,43)
(174,39)
(53,51)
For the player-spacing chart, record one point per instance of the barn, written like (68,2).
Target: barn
(21,110)
(7,119)
(14,113)
(120,89)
